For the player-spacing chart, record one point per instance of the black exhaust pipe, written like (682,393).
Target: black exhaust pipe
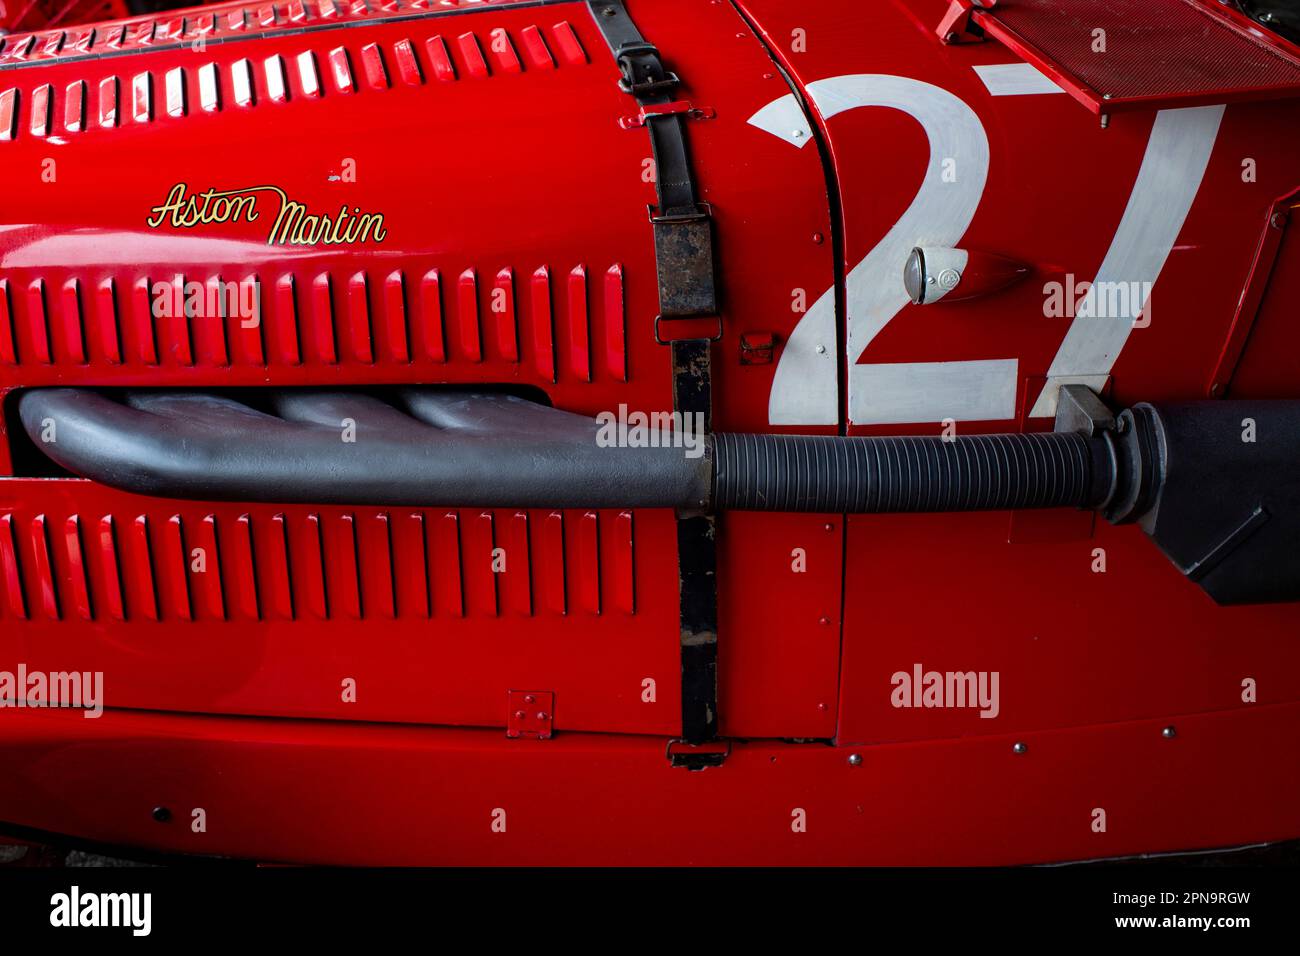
(1215,484)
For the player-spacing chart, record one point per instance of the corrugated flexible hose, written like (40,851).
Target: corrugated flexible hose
(863,475)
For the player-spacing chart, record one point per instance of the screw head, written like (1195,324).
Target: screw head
(855,760)
(1019,748)
(162,814)
(1170,732)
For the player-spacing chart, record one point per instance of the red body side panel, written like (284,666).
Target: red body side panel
(360,794)
(517,253)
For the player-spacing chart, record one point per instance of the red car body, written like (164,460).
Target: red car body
(512,178)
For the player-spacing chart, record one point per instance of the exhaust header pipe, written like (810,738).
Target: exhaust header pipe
(1215,484)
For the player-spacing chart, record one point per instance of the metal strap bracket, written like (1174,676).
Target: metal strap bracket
(682,224)
(683,107)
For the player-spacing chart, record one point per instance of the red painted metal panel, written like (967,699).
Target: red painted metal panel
(408,65)
(1072,645)
(43,567)
(410,554)
(432,796)
(359,319)
(430,329)
(467,313)
(107,338)
(209,331)
(536,52)
(7,353)
(1152,54)
(138,571)
(283,336)
(579,342)
(276,586)
(518,572)
(446,551)
(240,572)
(15,602)
(70,347)
(43,14)
(206,583)
(779,575)
(107,569)
(543,329)
(503,310)
(1260,358)
(459,221)
(374,541)
(1201,279)
(553,563)
(74,574)
(414,605)
(173,567)
(37,340)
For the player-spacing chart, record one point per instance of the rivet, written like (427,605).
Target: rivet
(609,12)
(818,238)
(821,350)
(797,133)
(824,620)
(529,699)
(1019,748)
(1105,96)
(162,814)
(769,76)
(520,715)
(828,526)
(1278,220)
(855,760)
(1169,733)
(541,715)
(821,707)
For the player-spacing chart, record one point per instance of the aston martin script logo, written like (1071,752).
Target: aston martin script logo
(294,224)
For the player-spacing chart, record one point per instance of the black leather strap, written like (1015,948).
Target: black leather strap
(683,232)
(683,228)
